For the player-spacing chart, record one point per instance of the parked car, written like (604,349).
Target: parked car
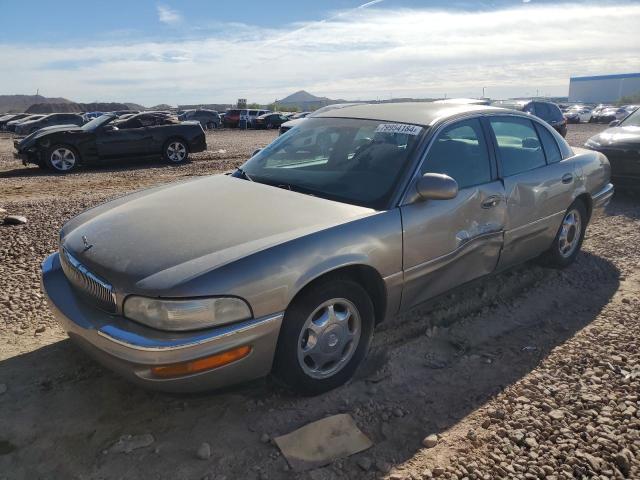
(100,141)
(270,120)
(121,113)
(32,125)
(13,124)
(88,116)
(578,114)
(251,116)
(11,117)
(285,127)
(374,225)
(207,118)
(233,116)
(621,144)
(300,115)
(547,111)
(609,114)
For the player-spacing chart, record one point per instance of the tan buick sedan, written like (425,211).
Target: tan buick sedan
(287,265)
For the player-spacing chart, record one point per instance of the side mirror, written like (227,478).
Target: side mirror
(109,128)
(257,151)
(436,186)
(615,123)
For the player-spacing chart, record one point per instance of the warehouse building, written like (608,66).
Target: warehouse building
(603,88)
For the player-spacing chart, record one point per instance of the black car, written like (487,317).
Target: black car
(53,119)
(207,118)
(13,124)
(547,111)
(10,117)
(621,145)
(270,120)
(100,141)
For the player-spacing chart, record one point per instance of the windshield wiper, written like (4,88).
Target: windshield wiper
(244,174)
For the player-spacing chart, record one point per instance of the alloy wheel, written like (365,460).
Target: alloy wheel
(329,338)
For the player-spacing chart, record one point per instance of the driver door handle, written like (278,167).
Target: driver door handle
(492,201)
(567,178)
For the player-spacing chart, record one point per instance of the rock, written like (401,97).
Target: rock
(398,412)
(40,329)
(623,461)
(15,220)
(204,451)
(128,443)
(430,441)
(437,471)
(556,414)
(365,463)
(2,211)
(265,438)
(3,388)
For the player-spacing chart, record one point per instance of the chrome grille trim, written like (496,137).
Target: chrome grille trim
(87,283)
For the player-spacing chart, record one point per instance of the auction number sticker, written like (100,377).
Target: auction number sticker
(399,128)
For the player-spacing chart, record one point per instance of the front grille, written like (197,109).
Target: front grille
(88,284)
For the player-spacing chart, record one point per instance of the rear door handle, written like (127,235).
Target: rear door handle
(491,201)
(567,178)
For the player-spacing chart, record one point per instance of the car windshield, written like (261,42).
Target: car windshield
(633,120)
(347,160)
(96,122)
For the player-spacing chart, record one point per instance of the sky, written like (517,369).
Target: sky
(200,51)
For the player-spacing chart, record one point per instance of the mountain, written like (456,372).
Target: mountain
(304,101)
(20,103)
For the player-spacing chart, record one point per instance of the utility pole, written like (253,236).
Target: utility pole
(483,96)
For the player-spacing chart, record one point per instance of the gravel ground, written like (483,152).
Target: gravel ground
(534,374)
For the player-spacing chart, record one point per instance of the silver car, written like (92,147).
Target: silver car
(287,265)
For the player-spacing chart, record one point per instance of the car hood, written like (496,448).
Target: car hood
(616,136)
(30,139)
(189,228)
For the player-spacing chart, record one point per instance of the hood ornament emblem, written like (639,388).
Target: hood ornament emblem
(87,245)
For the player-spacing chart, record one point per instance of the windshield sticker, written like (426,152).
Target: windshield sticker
(399,128)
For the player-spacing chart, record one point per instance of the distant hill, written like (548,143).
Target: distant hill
(161,107)
(21,103)
(304,101)
(73,107)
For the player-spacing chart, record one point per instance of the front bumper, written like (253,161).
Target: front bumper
(132,349)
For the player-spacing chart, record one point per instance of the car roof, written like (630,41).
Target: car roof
(417,113)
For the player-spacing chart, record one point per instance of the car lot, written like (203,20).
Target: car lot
(495,358)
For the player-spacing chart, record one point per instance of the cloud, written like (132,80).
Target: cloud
(168,15)
(367,53)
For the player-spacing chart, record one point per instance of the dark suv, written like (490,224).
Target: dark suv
(547,111)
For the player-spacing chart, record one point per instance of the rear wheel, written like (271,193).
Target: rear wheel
(568,241)
(175,151)
(62,159)
(325,335)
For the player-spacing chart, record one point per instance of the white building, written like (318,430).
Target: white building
(603,88)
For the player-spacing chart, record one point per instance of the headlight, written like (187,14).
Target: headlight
(189,314)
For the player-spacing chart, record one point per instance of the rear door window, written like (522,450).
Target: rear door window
(519,147)
(549,144)
(460,151)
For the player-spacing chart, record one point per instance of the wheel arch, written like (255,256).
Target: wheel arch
(586,199)
(365,275)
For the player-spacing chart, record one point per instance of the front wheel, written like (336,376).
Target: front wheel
(568,241)
(61,159)
(325,335)
(176,151)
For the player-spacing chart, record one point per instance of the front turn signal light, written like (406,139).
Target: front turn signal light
(201,364)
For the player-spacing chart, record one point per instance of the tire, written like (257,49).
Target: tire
(568,241)
(210,126)
(308,324)
(175,151)
(62,159)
